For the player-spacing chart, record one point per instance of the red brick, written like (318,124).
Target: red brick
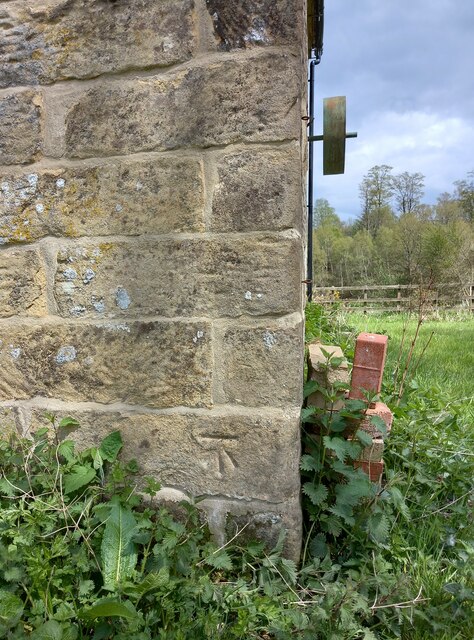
(369,362)
(373,469)
(381,411)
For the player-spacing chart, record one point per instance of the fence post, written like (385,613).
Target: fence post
(365,300)
(399,295)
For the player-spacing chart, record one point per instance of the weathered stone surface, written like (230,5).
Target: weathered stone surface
(255,22)
(20,130)
(248,521)
(220,103)
(215,453)
(42,42)
(9,421)
(213,277)
(260,364)
(159,364)
(22,283)
(328,374)
(131,197)
(258,191)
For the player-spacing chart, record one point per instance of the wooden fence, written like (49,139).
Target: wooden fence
(396,297)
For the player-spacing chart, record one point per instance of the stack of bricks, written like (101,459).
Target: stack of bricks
(367,373)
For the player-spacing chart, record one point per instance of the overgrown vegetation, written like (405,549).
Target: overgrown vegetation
(397,239)
(83,555)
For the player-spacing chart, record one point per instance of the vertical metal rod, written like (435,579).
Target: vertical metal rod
(309,268)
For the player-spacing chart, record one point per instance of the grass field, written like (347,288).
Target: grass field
(430,453)
(447,363)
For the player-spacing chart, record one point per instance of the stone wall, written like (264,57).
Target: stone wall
(151,225)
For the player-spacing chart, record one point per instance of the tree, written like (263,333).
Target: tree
(323,213)
(447,209)
(465,196)
(408,191)
(376,190)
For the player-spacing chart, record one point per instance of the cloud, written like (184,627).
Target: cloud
(414,141)
(407,75)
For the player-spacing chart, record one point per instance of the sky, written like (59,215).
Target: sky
(407,69)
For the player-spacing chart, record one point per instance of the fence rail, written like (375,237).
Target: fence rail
(396,297)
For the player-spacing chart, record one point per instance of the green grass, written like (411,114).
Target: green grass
(432,437)
(430,457)
(448,362)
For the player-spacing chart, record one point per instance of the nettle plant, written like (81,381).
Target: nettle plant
(83,554)
(346,514)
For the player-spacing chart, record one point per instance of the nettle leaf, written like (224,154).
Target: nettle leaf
(78,477)
(354,407)
(338,445)
(220,560)
(308,414)
(50,630)
(310,387)
(318,546)
(11,610)
(338,423)
(364,438)
(309,463)
(344,511)
(6,488)
(316,493)
(332,524)
(118,552)
(109,609)
(379,424)
(399,502)
(151,582)
(68,422)
(288,568)
(378,527)
(111,446)
(66,449)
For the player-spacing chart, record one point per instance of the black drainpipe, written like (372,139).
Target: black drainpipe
(309,268)
(316,31)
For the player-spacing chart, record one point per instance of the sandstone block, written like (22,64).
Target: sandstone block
(221,103)
(20,129)
(213,453)
(258,190)
(22,283)
(249,521)
(158,195)
(256,23)
(108,362)
(327,375)
(10,421)
(369,363)
(179,277)
(43,42)
(260,364)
